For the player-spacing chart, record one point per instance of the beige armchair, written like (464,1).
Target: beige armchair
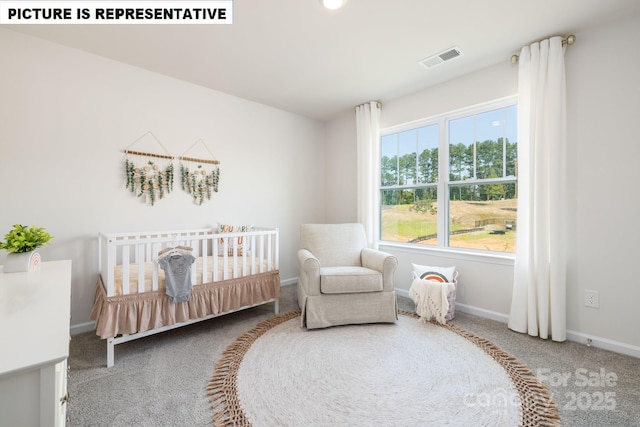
(340,280)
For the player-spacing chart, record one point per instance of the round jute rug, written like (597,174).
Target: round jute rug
(407,373)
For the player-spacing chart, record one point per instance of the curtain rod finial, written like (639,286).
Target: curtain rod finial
(571,39)
(514,59)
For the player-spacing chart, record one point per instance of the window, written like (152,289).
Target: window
(451,181)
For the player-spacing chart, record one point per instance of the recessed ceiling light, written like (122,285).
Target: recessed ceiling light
(333,4)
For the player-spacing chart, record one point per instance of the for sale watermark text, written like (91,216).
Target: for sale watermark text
(596,384)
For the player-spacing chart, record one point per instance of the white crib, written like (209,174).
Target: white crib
(233,271)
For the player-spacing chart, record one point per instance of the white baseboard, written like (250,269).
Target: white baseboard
(481,312)
(289,282)
(578,337)
(402,292)
(604,343)
(82,327)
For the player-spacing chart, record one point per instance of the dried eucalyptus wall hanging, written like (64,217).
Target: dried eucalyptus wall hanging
(149,175)
(199,177)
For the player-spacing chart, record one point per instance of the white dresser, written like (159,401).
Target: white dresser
(34,337)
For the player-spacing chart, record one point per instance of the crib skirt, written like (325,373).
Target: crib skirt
(128,314)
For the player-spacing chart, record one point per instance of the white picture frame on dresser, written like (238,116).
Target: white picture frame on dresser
(34,325)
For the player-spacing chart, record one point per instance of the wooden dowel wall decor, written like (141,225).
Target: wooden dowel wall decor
(147,179)
(148,175)
(140,153)
(193,159)
(199,181)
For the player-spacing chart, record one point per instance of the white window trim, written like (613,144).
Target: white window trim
(505,258)
(500,258)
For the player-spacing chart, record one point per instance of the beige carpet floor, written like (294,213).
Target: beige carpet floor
(161,380)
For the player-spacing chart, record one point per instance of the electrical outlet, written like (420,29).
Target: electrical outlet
(591,298)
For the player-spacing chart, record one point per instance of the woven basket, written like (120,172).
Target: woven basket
(451,297)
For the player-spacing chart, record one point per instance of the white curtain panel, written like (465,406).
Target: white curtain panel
(538,304)
(368,158)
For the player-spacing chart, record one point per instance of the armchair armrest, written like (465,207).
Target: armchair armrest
(309,273)
(378,260)
(382,262)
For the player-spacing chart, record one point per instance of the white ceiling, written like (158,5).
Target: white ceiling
(299,57)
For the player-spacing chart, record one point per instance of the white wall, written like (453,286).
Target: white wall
(340,187)
(66,116)
(603,91)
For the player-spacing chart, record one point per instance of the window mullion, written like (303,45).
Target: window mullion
(397,160)
(504,143)
(417,172)
(475,149)
(443,180)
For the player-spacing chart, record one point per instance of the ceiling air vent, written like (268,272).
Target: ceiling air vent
(441,57)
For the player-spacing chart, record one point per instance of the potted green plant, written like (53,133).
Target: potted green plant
(21,243)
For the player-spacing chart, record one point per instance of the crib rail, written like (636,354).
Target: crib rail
(238,253)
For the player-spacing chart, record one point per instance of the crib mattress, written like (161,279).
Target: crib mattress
(128,314)
(150,266)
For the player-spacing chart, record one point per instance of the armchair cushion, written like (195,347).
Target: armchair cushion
(347,280)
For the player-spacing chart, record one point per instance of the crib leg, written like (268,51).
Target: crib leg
(276,306)
(110,352)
